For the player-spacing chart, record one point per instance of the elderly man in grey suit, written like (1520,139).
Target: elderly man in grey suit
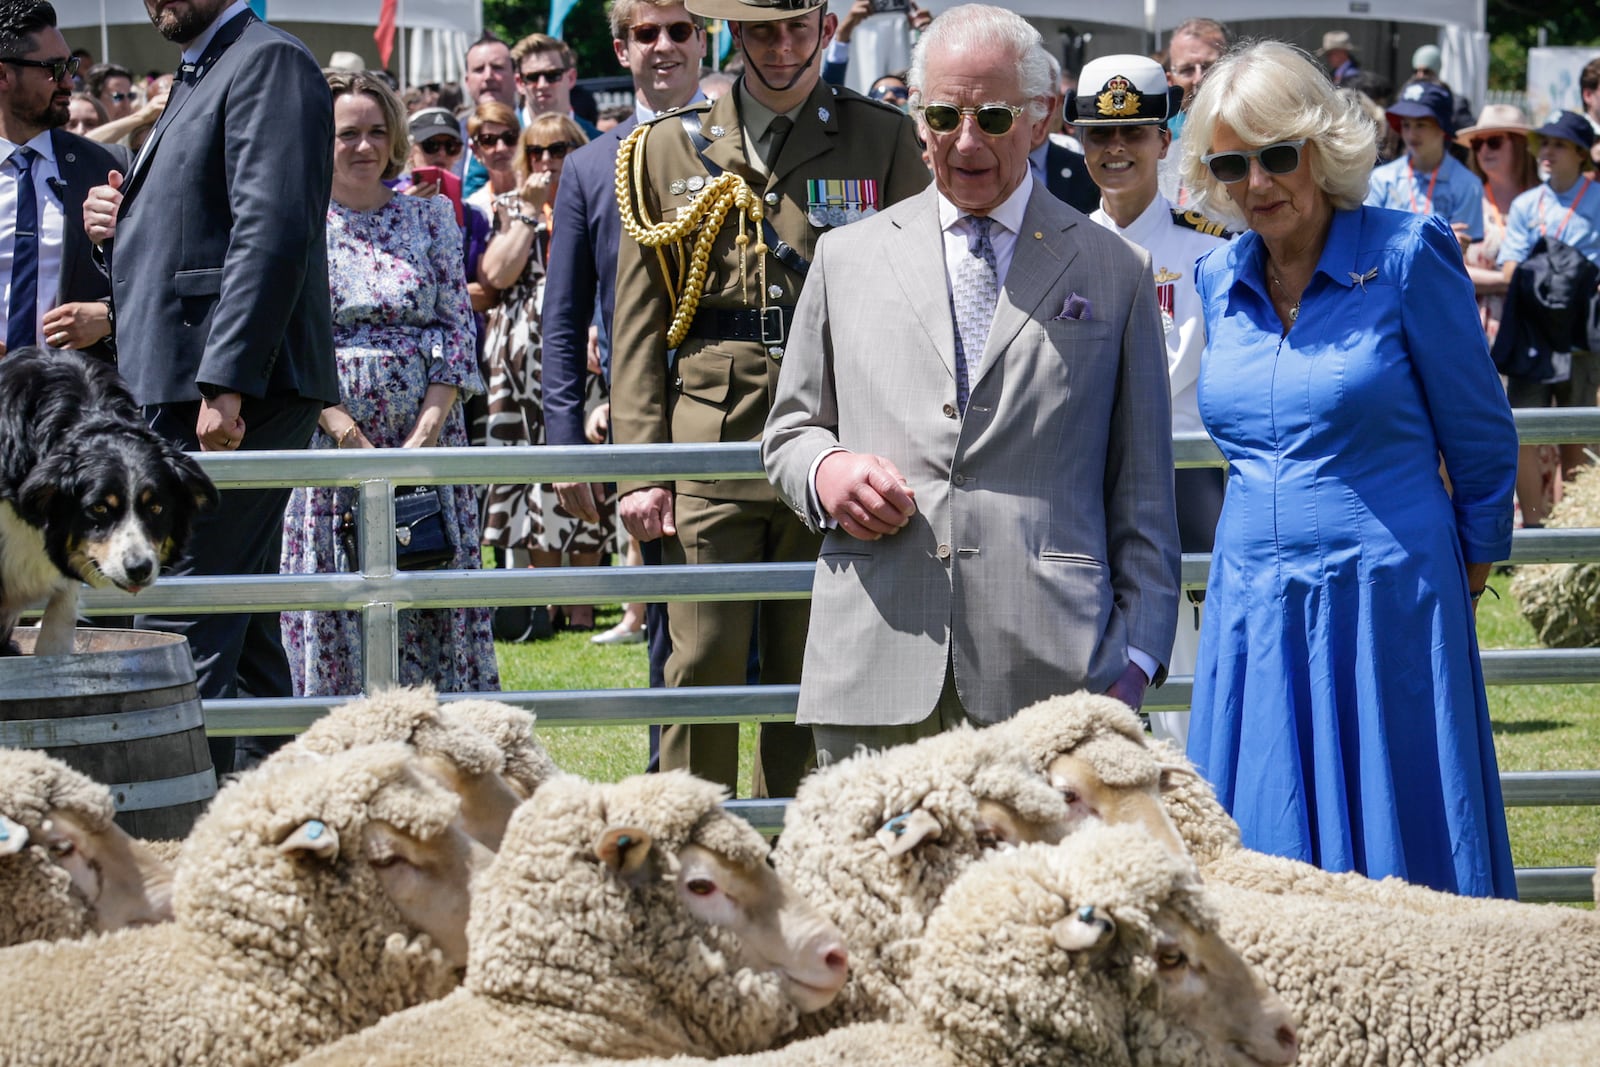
(974,402)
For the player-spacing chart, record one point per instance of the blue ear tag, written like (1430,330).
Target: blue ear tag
(5,832)
(897,825)
(1086,913)
(314,830)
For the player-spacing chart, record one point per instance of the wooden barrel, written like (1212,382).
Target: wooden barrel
(123,710)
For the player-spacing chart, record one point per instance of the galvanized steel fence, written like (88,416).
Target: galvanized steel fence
(379,592)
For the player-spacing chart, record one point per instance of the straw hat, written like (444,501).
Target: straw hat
(1337,41)
(1495,118)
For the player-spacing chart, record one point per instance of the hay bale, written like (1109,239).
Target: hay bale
(1561,601)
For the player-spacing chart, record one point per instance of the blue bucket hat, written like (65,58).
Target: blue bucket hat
(1425,100)
(1568,126)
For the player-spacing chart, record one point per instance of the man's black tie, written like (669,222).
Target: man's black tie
(22,322)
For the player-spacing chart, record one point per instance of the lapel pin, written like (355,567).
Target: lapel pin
(716,131)
(1363,279)
(71,158)
(1038,236)
(822,113)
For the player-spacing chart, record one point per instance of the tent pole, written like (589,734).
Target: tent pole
(105,35)
(400,42)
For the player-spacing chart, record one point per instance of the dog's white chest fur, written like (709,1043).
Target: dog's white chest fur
(27,574)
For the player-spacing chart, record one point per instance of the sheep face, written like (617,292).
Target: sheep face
(487,798)
(120,882)
(1091,799)
(429,880)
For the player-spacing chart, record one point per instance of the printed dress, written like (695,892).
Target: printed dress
(1339,703)
(401,321)
(528,516)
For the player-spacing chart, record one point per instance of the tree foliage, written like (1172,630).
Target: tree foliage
(586,30)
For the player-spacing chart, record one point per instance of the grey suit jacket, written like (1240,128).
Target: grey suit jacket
(1045,541)
(82,164)
(219,269)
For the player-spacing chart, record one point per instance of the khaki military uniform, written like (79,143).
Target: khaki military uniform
(845,157)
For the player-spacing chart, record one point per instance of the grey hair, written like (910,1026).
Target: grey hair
(979,26)
(1268,92)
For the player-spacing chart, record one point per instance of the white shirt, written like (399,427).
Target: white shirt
(1173,249)
(51,221)
(643,113)
(197,47)
(952,220)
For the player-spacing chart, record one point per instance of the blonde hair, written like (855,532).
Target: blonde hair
(1268,92)
(491,111)
(345,83)
(621,13)
(546,123)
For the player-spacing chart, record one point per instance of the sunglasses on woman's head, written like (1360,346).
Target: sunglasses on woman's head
(1492,142)
(555,150)
(489,140)
(993,119)
(647,34)
(1230,167)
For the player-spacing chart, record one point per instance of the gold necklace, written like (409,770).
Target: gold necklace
(1294,308)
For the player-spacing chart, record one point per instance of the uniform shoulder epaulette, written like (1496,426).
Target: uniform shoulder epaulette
(674,112)
(1193,220)
(846,95)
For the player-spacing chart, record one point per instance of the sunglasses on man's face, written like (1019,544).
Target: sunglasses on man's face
(993,119)
(486,141)
(1231,167)
(544,77)
(647,34)
(117,98)
(555,150)
(1493,142)
(434,146)
(58,68)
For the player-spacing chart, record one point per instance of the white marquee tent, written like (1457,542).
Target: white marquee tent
(436,32)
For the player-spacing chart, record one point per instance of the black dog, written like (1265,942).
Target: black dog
(87,491)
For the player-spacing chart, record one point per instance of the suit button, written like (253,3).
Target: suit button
(960,479)
(949,411)
(943,551)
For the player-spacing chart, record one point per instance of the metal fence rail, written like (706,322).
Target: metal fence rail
(379,592)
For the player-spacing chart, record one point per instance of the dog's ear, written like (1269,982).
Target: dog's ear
(37,494)
(195,481)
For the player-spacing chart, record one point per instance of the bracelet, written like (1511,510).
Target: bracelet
(345,437)
(1477,594)
(518,215)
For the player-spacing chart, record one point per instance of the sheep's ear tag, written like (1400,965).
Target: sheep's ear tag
(625,850)
(13,836)
(313,836)
(1089,927)
(907,830)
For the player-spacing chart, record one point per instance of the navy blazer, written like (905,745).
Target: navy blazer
(585,229)
(82,164)
(1067,177)
(219,269)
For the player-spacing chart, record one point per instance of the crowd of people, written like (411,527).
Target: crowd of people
(962,313)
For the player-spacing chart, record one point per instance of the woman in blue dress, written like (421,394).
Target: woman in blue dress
(1339,706)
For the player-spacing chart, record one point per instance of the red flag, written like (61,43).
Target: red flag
(383,36)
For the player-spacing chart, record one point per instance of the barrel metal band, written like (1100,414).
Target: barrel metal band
(165,792)
(102,729)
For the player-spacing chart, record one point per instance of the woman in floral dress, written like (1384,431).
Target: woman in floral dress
(404,335)
(528,520)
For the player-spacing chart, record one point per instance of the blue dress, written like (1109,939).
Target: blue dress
(1339,706)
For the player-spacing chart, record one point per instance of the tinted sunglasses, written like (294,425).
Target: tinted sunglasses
(58,68)
(117,98)
(544,77)
(435,145)
(489,140)
(993,119)
(1493,141)
(555,150)
(678,31)
(1231,167)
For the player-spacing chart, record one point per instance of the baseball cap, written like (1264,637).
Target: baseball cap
(1425,100)
(1568,126)
(431,121)
(1120,90)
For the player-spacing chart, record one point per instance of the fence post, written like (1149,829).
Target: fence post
(380,621)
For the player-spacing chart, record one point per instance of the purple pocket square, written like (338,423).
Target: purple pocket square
(1075,307)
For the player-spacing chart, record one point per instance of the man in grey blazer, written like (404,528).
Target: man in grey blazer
(1001,523)
(216,247)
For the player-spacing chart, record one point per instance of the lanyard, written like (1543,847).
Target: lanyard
(1568,216)
(1412,186)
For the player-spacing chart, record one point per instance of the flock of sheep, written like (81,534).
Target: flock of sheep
(414,882)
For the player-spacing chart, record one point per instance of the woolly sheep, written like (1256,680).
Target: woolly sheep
(1572,1044)
(311,900)
(874,841)
(620,921)
(1095,953)
(1377,985)
(1558,599)
(66,869)
(528,765)
(453,746)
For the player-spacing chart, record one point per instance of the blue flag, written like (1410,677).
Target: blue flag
(559,10)
(260,8)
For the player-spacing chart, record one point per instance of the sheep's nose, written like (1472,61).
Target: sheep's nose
(138,569)
(837,960)
(1289,1042)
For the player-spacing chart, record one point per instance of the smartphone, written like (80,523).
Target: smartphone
(880,7)
(449,186)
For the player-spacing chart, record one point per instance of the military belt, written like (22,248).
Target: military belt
(769,325)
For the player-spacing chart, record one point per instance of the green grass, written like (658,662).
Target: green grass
(1553,727)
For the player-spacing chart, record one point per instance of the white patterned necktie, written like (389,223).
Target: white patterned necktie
(973,295)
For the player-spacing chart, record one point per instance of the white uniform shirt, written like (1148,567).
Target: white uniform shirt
(51,221)
(1174,246)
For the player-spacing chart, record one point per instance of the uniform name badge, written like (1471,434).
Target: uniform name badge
(839,201)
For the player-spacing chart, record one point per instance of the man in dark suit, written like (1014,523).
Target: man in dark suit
(583,273)
(216,248)
(67,288)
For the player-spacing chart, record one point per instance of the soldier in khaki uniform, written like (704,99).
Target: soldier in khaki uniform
(722,204)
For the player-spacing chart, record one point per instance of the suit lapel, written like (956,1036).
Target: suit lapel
(1043,253)
(916,255)
(726,149)
(814,129)
(75,183)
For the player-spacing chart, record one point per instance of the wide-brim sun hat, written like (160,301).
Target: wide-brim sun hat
(1494,118)
(752,10)
(1336,41)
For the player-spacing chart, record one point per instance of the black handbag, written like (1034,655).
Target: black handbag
(421,535)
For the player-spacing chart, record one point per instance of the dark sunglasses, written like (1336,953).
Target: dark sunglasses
(1231,167)
(58,68)
(544,77)
(1493,141)
(555,150)
(489,140)
(678,31)
(435,145)
(993,119)
(117,98)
